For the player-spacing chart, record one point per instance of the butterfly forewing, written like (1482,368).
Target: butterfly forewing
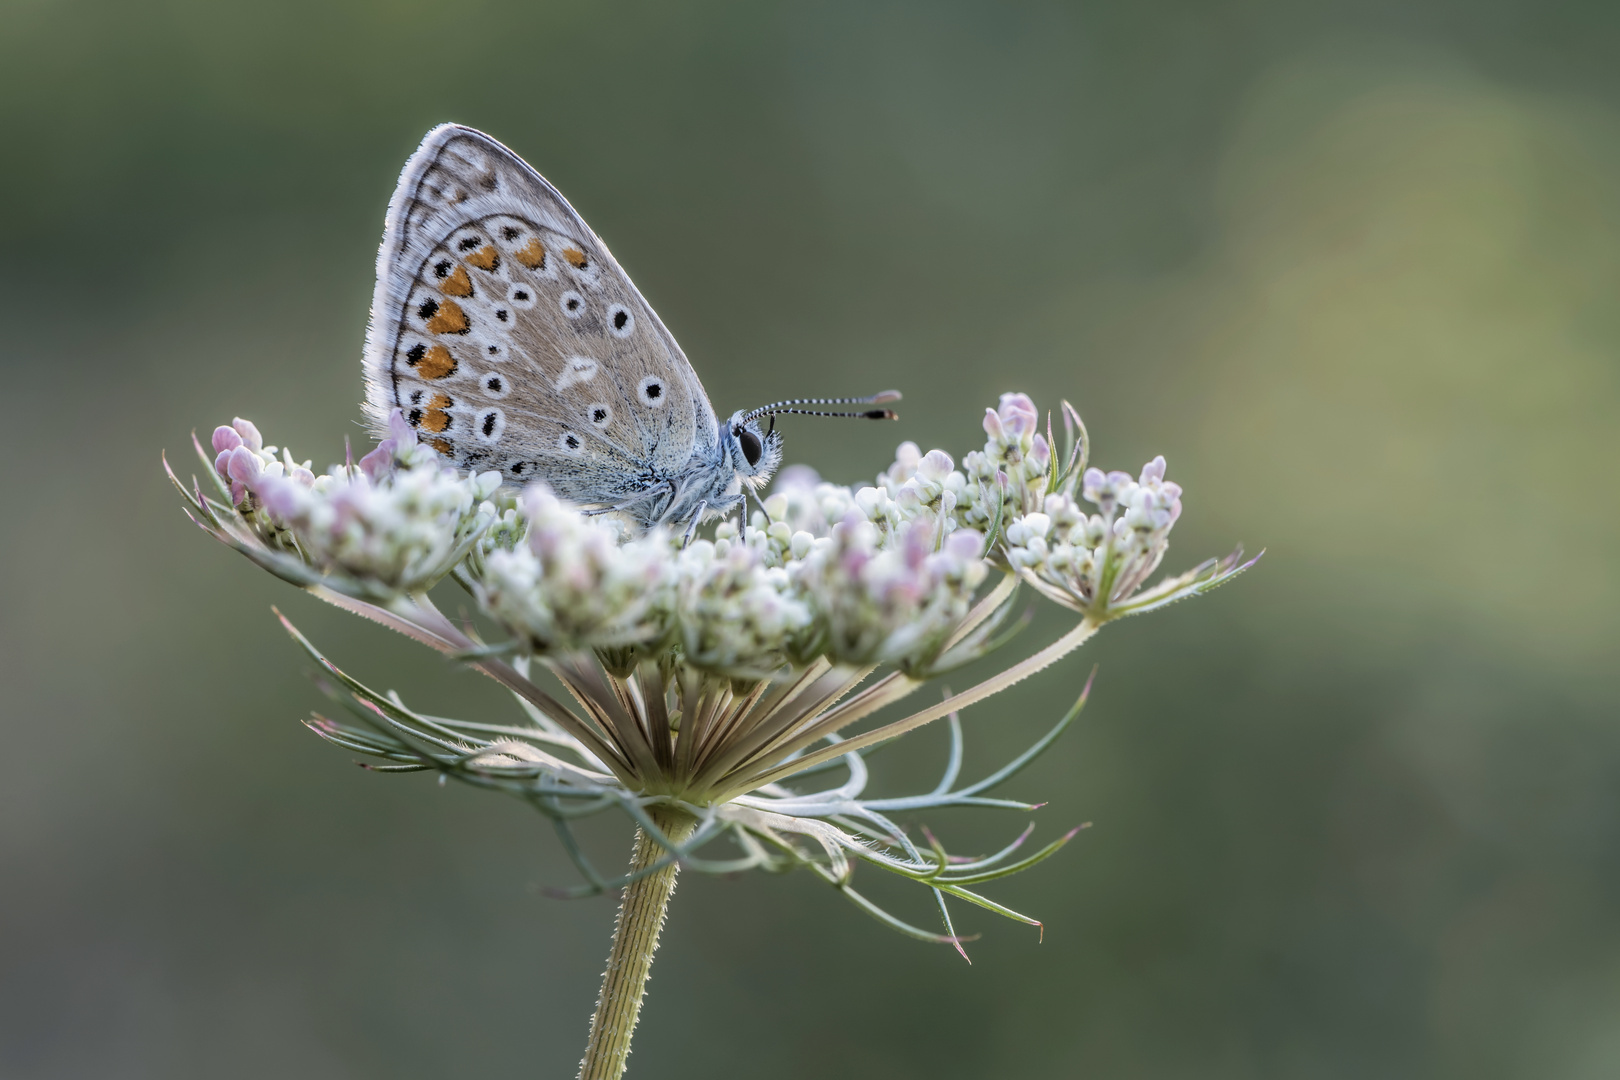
(511,339)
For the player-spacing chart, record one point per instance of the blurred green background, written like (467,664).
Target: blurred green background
(1352,267)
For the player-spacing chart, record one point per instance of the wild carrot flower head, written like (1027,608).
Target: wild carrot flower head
(711,675)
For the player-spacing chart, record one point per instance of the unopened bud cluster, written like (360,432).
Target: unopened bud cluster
(1099,560)
(876,574)
(1010,475)
(856,591)
(396,522)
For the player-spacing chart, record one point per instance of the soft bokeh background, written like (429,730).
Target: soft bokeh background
(1353,267)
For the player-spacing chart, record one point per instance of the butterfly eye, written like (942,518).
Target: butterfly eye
(751,446)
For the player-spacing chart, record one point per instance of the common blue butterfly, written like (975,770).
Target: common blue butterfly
(510,338)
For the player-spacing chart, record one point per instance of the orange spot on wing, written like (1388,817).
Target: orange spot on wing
(457,283)
(449,319)
(437,364)
(485,258)
(532,254)
(436,419)
(575,256)
(442,446)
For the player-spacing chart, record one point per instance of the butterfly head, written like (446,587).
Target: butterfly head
(753,453)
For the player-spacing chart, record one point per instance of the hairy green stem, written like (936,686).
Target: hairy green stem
(635,939)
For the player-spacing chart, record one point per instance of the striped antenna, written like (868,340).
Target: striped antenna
(781,407)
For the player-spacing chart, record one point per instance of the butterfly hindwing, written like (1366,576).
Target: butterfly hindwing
(511,339)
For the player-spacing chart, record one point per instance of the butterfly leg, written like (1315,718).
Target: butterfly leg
(754,491)
(691,530)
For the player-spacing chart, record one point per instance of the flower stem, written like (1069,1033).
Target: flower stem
(635,939)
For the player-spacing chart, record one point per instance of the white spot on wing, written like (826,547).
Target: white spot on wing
(621,323)
(652,391)
(572,304)
(576,369)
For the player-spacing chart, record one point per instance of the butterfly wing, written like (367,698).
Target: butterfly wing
(511,338)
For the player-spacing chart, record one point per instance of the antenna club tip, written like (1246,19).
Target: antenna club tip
(884,396)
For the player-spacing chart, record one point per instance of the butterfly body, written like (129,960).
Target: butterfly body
(505,332)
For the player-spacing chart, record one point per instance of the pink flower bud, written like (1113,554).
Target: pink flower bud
(400,430)
(916,547)
(1018,414)
(935,466)
(279,497)
(964,544)
(226,438)
(906,458)
(1040,453)
(992,424)
(250,434)
(379,463)
(244,465)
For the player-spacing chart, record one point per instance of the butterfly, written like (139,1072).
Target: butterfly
(508,336)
